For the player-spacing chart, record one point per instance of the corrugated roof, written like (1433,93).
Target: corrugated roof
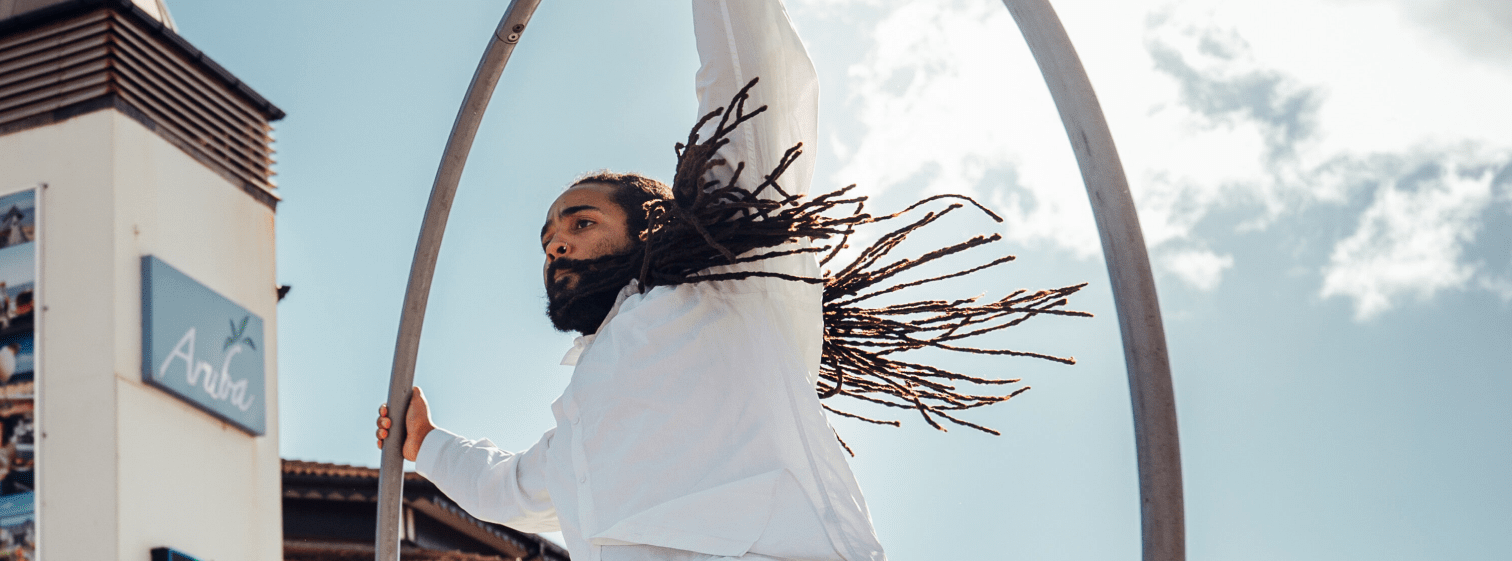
(320,469)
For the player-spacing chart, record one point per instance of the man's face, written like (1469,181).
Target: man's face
(582,224)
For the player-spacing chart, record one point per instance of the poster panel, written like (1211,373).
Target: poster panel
(18,376)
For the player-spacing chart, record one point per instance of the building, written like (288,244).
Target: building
(329,511)
(138,306)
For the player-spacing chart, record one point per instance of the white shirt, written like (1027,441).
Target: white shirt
(691,422)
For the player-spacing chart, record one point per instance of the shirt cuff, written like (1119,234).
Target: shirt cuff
(430,450)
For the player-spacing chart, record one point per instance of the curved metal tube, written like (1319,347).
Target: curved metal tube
(391,471)
(1149,364)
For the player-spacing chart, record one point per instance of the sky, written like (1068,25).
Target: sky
(1325,187)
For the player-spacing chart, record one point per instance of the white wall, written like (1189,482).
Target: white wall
(125,467)
(76,415)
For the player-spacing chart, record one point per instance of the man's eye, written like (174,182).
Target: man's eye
(583,223)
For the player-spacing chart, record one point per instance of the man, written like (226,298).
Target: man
(691,429)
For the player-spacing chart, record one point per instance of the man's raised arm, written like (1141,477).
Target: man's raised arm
(743,39)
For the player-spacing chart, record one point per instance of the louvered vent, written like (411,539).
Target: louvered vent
(60,64)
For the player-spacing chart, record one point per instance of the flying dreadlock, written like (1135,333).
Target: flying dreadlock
(708,223)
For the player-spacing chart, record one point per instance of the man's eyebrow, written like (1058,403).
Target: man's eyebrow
(568,211)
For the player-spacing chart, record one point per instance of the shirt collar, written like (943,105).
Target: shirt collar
(582,342)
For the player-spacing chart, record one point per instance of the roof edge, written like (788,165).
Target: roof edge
(323,469)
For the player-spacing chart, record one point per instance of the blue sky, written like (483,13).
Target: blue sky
(1325,187)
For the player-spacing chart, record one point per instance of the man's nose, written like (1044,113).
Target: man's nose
(557,249)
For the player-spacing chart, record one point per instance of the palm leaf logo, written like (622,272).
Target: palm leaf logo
(238,334)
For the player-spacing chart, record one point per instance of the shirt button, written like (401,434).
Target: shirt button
(583,478)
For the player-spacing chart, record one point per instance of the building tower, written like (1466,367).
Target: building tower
(138,309)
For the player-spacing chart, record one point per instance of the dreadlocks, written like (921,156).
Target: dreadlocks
(708,222)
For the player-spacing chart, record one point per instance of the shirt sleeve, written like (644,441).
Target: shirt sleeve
(489,483)
(743,39)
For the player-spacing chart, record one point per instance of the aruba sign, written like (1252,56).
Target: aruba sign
(201,347)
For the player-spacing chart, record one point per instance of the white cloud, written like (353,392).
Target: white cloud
(1200,268)
(1223,130)
(1500,286)
(952,102)
(1410,242)
(1480,28)
(1392,82)
(1262,111)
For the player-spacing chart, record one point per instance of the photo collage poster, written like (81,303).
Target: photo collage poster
(18,376)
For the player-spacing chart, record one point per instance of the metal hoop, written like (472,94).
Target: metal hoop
(1149,364)
(443,190)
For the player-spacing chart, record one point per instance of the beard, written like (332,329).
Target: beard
(581,299)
